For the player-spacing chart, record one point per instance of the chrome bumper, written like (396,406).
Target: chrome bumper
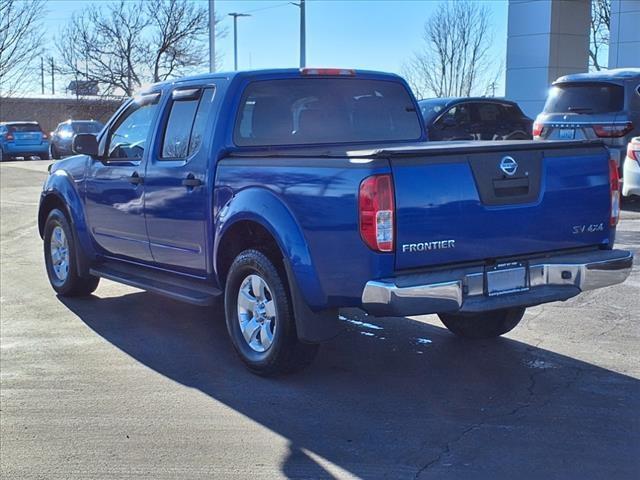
(549,279)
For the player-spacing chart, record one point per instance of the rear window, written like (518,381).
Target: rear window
(585,98)
(93,127)
(25,127)
(325,110)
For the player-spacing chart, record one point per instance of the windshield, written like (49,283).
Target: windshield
(325,110)
(25,127)
(87,127)
(431,108)
(585,98)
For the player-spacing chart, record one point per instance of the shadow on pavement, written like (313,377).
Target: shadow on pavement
(403,401)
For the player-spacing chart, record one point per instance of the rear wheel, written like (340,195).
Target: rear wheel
(44,156)
(60,258)
(260,317)
(483,325)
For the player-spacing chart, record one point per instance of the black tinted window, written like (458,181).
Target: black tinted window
(585,98)
(186,124)
(488,112)
(25,127)
(89,127)
(325,110)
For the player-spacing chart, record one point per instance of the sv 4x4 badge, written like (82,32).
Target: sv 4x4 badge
(590,228)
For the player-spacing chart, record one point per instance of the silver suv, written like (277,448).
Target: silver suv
(599,105)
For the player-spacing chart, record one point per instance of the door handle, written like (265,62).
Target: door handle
(136,179)
(191,181)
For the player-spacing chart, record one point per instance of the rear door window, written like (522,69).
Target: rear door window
(186,124)
(325,110)
(596,97)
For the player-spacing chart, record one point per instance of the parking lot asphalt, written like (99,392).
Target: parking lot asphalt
(126,384)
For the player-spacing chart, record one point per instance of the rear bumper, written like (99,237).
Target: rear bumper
(18,150)
(549,279)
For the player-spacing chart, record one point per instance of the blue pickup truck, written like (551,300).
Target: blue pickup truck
(293,193)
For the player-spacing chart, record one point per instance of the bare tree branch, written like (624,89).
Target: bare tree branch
(599,31)
(20,41)
(124,45)
(454,60)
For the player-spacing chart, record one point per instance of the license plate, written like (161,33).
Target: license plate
(507,278)
(567,133)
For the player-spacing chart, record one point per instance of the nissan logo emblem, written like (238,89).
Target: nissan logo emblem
(508,165)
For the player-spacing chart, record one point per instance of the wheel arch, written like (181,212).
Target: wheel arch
(267,221)
(59,193)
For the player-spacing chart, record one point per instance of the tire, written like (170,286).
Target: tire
(63,274)
(53,153)
(44,156)
(263,311)
(483,325)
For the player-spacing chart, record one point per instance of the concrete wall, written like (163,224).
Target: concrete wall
(51,111)
(624,41)
(545,40)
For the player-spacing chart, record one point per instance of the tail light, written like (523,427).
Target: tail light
(613,131)
(537,129)
(614,184)
(44,136)
(376,211)
(9,137)
(633,151)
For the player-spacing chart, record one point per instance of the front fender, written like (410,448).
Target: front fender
(61,186)
(265,208)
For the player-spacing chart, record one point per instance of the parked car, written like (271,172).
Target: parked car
(23,139)
(293,193)
(598,105)
(474,119)
(631,169)
(62,136)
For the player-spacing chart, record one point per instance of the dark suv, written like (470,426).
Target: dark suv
(604,105)
(474,119)
(62,136)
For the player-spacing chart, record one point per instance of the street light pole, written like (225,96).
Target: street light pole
(212,37)
(303,33)
(235,36)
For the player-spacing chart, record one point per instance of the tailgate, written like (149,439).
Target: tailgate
(27,138)
(464,203)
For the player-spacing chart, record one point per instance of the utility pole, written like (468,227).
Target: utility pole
(303,33)
(53,84)
(42,73)
(235,36)
(212,37)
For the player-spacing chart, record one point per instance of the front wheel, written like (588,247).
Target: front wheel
(60,258)
(483,325)
(53,152)
(260,319)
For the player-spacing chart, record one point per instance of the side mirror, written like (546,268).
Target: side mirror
(85,144)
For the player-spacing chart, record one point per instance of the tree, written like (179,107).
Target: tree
(454,59)
(600,27)
(124,45)
(20,41)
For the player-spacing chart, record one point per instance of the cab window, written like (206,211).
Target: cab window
(129,135)
(186,124)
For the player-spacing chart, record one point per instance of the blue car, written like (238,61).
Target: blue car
(23,139)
